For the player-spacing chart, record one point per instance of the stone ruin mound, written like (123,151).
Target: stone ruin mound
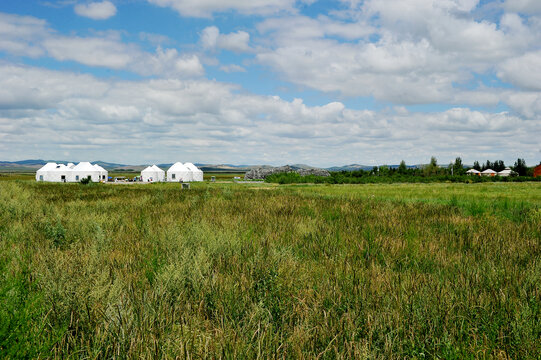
(261,173)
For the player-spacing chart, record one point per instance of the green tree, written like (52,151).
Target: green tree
(520,167)
(476,165)
(432,168)
(499,165)
(402,168)
(384,170)
(487,165)
(458,167)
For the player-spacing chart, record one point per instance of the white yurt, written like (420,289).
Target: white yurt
(160,172)
(178,172)
(103,172)
(53,172)
(506,172)
(61,173)
(152,173)
(43,173)
(473,172)
(197,174)
(84,170)
(489,172)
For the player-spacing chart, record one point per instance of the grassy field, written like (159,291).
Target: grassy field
(270,271)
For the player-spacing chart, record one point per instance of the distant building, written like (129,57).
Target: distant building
(489,172)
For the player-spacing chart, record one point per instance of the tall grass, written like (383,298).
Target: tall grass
(264,271)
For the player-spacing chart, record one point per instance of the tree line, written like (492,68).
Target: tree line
(454,168)
(432,172)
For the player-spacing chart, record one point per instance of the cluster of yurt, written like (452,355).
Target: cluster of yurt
(53,172)
(178,172)
(489,172)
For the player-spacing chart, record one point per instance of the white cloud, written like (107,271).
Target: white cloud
(236,42)
(232,68)
(90,51)
(189,66)
(155,39)
(96,119)
(20,35)
(96,10)
(29,36)
(303,27)
(402,72)
(424,49)
(523,6)
(528,104)
(205,8)
(168,62)
(523,71)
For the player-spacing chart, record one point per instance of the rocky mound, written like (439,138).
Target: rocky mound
(262,173)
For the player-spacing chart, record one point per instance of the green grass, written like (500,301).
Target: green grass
(263,270)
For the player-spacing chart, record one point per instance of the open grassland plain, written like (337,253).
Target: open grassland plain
(270,271)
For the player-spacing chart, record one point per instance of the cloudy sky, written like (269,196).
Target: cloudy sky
(270,81)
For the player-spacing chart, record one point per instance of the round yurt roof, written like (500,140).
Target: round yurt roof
(489,171)
(148,169)
(60,167)
(84,166)
(192,167)
(156,169)
(48,166)
(178,167)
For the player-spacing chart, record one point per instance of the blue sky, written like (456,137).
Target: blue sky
(270,81)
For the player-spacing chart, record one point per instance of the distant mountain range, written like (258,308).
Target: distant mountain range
(32,165)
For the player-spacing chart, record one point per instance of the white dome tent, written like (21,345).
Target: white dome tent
(489,172)
(53,172)
(178,172)
(197,174)
(506,172)
(44,173)
(152,173)
(84,170)
(103,172)
(160,172)
(61,173)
